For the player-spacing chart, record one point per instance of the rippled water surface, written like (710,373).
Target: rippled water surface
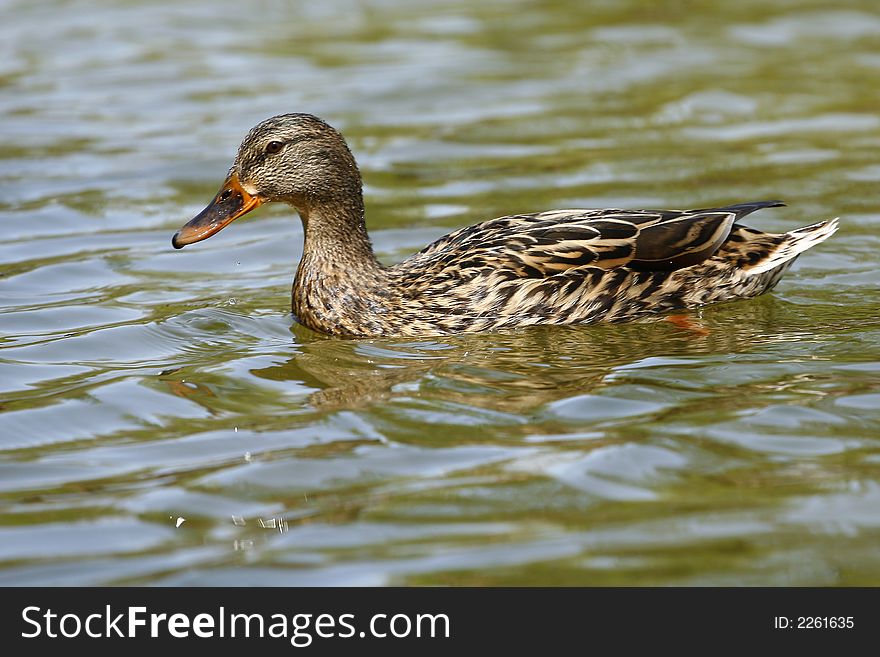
(164,421)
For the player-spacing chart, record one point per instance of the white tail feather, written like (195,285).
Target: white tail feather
(798,241)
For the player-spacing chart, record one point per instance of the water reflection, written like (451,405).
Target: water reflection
(522,370)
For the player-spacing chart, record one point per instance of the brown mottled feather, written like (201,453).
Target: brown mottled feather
(558,267)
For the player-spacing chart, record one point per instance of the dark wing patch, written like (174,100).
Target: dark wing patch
(743,209)
(681,242)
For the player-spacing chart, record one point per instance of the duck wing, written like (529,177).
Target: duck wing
(549,243)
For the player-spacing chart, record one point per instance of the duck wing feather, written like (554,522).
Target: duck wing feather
(549,243)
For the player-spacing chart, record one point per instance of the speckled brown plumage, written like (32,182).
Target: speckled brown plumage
(558,267)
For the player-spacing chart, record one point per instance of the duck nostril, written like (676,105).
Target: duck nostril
(226,194)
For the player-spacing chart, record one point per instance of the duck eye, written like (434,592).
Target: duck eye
(274,147)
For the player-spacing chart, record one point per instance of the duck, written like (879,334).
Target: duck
(558,267)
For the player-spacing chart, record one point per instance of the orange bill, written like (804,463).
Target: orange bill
(231,202)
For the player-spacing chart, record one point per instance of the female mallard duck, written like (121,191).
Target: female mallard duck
(558,267)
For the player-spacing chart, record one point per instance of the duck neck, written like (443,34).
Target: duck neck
(336,237)
(339,287)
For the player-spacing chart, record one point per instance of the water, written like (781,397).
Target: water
(164,421)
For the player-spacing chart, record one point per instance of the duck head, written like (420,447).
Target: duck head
(295,158)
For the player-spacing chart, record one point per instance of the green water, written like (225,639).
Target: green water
(144,388)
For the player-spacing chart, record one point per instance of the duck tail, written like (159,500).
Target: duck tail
(794,243)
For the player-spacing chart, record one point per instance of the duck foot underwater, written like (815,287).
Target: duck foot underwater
(556,267)
(687,324)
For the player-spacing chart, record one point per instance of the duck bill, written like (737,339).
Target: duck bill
(231,202)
